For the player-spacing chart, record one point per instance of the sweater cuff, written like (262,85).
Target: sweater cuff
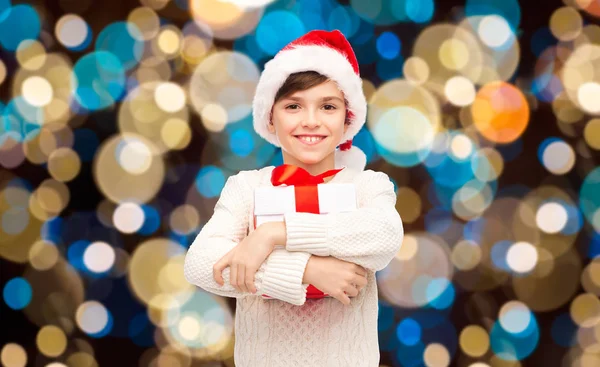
(307,232)
(282,275)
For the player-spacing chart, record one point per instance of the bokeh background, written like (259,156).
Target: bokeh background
(120,121)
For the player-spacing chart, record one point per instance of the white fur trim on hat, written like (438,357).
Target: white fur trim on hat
(354,158)
(322,59)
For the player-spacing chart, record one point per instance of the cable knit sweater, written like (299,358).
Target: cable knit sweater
(289,329)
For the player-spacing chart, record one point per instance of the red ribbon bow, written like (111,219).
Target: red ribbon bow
(306,194)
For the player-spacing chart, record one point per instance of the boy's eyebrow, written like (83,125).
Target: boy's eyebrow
(324,99)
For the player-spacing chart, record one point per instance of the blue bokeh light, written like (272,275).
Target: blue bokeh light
(241,142)
(99,79)
(122,40)
(18,23)
(440,293)
(589,196)
(420,11)
(564,331)
(509,9)
(408,332)
(151,220)
(515,346)
(276,29)
(210,181)
(498,254)
(17,293)
(388,45)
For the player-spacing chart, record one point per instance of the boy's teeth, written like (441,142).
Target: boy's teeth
(311,139)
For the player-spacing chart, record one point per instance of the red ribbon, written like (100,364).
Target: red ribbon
(306,194)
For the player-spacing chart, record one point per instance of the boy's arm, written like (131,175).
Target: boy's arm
(370,236)
(280,276)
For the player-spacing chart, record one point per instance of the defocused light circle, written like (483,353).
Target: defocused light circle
(169,97)
(474,341)
(558,157)
(436,355)
(460,91)
(71,30)
(587,94)
(99,257)
(522,257)
(92,317)
(494,30)
(51,341)
(13,355)
(551,217)
(37,91)
(514,317)
(134,156)
(128,217)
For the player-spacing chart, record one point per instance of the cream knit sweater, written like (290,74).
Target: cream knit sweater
(289,330)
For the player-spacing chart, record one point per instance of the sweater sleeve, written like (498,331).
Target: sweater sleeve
(369,236)
(280,276)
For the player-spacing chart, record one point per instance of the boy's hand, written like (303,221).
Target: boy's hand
(338,278)
(244,260)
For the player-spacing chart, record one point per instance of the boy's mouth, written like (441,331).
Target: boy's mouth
(310,139)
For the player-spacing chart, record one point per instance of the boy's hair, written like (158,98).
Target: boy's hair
(300,81)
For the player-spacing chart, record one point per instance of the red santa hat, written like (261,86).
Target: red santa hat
(330,54)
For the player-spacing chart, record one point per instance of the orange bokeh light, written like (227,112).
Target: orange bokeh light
(500,112)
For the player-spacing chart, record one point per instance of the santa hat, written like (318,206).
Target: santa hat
(330,54)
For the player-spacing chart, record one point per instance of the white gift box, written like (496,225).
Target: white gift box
(271,203)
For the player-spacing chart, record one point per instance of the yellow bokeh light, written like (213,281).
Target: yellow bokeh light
(474,341)
(454,54)
(99,257)
(436,355)
(64,164)
(494,31)
(163,309)
(176,133)
(37,91)
(585,310)
(591,134)
(2,72)
(144,275)
(184,219)
(466,255)
(13,355)
(566,23)
(31,54)
(146,21)
(416,70)
(169,41)
(214,117)
(43,255)
(81,359)
(409,204)
(587,95)
(120,179)
(51,341)
(460,91)
(169,97)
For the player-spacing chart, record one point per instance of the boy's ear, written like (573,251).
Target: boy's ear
(271,127)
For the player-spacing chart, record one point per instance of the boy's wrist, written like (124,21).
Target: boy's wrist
(306,278)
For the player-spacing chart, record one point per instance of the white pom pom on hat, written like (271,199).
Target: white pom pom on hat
(330,54)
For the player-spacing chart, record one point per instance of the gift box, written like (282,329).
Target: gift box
(271,203)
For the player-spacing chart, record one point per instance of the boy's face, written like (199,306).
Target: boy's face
(309,125)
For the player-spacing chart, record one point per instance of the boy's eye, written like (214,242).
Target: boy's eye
(291,106)
(329,105)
